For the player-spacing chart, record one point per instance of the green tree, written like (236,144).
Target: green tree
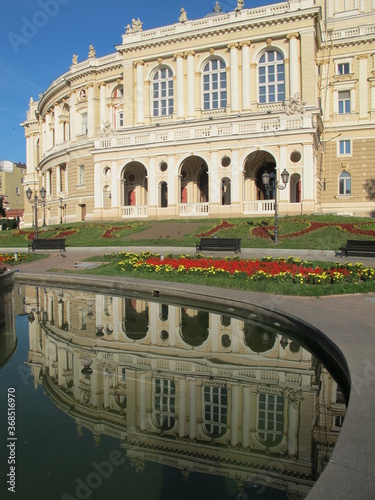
(2,209)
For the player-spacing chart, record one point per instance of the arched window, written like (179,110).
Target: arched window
(215,409)
(118,92)
(164,403)
(271,70)
(345,183)
(214,84)
(270,418)
(162,92)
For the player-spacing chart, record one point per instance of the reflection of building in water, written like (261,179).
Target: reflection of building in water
(8,341)
(195,390)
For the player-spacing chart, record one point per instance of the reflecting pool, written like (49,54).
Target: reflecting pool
(123,397)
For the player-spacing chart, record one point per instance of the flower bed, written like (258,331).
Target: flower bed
(10,258)
(264,231)
(224,225)
(287,270)
(110,233)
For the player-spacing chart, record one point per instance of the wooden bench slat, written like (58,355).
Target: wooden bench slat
(360,248)
(43,244)
(218,244)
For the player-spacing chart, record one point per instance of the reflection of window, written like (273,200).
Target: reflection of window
(271,77)
(214,85)
(215,410)
(270,418)
(123,374)
(345,183)
(344,147)
(344,101)
(83,319)
(164,403)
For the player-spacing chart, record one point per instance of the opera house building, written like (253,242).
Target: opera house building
(183,120)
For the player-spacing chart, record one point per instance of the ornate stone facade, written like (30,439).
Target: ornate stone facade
(183,120)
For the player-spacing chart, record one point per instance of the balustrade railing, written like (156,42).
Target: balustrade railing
(135,211)
(193,209)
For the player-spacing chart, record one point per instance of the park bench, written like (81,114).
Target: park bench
(359,248)
(55,244)
(219,244)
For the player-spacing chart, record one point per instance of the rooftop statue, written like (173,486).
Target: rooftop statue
(135,27)
(75,59)
(240,5)
(183,18)
(91,51)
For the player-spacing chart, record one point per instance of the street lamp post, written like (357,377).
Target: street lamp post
(29,195)
(62,207)
(270,182)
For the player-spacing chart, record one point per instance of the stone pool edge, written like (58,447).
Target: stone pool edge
(343,321)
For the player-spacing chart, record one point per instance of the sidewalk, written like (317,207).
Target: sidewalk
(73,255)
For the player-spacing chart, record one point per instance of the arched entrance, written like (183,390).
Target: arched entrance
(257,199)
(194,187)
(134,190)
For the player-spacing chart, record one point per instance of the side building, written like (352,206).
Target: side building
(183,120)
(11,187)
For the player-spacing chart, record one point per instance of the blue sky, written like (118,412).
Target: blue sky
(39,37)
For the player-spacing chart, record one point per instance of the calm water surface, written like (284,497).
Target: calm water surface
(126,398)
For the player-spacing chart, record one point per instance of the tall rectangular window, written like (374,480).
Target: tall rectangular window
(344,147)
(84,124)
(81,175)
(344,101)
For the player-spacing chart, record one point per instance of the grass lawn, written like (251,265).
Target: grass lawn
(303,232)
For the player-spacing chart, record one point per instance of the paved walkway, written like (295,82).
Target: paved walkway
(346,321)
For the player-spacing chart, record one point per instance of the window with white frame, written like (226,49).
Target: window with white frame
(215,409)
(164,403)
(81,175)
(345,184)
(270,418)
(345,147)
(162,92)
(344,101)
(343,68)
(271,73)
(84,123)
(119,118)
(214,84)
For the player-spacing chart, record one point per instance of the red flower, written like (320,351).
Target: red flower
(224,225)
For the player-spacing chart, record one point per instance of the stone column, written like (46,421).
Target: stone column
(142,400)
(362,88)
(192,409)
(90,111)
(72,117)
(235,414)
(234,84)
(58,125)
(294,86)
(181,407)
(246,414)
(246,99)
(140,93)
(180,86)
(190,85)
(103,106)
